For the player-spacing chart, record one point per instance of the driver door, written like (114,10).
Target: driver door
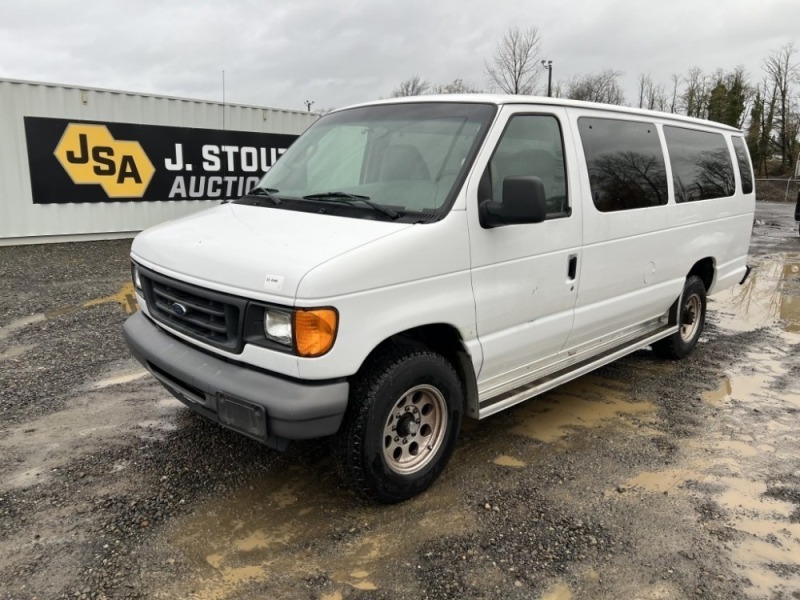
(525,277)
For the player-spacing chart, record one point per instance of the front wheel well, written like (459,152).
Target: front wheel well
(445,340)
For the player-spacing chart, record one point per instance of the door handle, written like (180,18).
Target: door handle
(572,269)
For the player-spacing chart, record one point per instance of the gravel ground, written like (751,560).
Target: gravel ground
(645,479)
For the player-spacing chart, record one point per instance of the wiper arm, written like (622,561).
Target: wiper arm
(352,198)
(268,192)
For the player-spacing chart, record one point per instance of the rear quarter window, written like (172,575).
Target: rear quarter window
(625,163)
(701,164)
(743,160)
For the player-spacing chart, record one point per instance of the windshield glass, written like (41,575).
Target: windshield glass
(407,158)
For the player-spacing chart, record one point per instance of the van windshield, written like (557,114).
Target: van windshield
(393,161)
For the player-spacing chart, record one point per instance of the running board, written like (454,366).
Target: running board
(534,388)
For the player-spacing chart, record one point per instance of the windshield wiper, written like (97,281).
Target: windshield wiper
(268,192)
(351,199)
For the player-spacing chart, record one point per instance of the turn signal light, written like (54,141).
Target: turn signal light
(315,330)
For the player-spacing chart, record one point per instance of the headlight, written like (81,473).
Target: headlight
(137,281)
(278,326)
(308,332)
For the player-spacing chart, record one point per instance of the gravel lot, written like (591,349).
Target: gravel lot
(645,479)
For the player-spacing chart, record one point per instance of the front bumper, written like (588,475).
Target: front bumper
(265,407)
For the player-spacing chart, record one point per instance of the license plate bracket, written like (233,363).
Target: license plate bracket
(244,417)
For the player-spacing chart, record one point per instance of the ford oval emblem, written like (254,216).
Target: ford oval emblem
(179,309)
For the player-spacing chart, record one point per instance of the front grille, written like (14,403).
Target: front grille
(205,315)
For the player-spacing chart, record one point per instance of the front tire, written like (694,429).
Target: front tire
(691,319)
(401,424)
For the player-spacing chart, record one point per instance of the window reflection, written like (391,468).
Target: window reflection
(701,164)
(743,159)
(625,163)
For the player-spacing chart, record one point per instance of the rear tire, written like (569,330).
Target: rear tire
(691,319)
(401,424)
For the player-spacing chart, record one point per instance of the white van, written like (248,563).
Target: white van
(407,262)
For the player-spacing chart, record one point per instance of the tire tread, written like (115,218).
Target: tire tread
(346,445)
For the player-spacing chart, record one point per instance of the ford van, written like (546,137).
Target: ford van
(410,262)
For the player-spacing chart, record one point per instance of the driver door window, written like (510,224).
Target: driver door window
(531,146)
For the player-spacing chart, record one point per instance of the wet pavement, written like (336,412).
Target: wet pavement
(646,479)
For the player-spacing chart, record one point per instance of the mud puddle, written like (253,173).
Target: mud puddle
(587,402)
(755,437)
(125,297)
(770,295)
(97,418)
(298,522)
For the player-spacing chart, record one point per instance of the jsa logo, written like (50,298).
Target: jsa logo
(90,155)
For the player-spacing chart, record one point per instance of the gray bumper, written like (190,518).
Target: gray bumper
(268,408)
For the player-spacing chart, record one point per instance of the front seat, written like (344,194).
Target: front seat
(403,162)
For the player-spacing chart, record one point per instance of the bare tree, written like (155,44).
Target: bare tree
(651,96)
(457,86)
(644,83)
(695,96)
(411,87)
(515,67)
(597,87)
(782,71)
(673,103)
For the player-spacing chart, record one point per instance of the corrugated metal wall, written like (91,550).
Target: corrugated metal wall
(22,221)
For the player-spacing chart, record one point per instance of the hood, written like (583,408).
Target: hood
(256,251)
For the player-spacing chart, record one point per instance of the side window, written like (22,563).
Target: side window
(701,164)
(531,146)
(743,158)
(625,163)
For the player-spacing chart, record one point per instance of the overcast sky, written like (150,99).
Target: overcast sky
(340,52)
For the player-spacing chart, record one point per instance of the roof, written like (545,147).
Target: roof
(510,99)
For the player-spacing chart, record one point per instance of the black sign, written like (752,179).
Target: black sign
(89,161)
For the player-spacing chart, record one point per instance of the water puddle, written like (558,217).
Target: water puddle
(770,295)
(739,387)
(769,556)
(119,379)
(16,352)
(125,297)
(560,591)
(97,419)
(663,481)
(508,461)
(18,324)
(731,466)
(587,402)
(299,522)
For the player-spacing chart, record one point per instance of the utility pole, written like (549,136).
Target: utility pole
(548,64)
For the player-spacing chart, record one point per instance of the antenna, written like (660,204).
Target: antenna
(223,100)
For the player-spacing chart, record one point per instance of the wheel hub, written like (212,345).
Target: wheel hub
(415,429)
(407,425)
(690,319)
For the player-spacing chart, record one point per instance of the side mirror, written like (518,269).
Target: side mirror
(524,201)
